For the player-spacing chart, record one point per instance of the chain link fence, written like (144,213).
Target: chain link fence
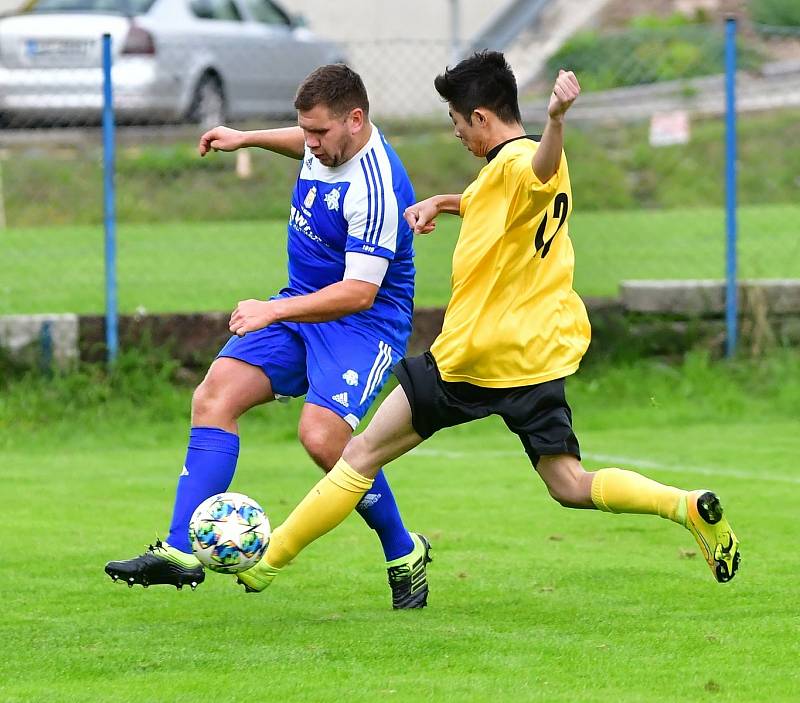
(645,143)
(647,154)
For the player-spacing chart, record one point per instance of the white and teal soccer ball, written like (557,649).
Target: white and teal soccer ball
(229,532)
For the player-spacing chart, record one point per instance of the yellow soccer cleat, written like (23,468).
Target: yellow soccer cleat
(258,577)
(718,543)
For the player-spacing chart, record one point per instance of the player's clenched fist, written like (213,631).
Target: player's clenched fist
(250,315)
(420,216)
(564,93)
(220,139)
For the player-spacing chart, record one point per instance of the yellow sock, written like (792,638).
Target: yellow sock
(620,491)
(326,505)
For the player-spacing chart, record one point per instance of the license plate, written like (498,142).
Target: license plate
(56,47)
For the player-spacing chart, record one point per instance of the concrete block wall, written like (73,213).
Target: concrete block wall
(40,339)
(662,318)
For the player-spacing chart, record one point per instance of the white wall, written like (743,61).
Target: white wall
(9,5)
(359,20)
(397,47)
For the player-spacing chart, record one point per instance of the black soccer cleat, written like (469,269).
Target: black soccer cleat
(408,576)
(160,564)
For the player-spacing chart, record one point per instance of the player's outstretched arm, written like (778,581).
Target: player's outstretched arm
(288,141)
(421,215)
(547,158)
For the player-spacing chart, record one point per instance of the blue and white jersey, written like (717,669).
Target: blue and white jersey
(355,207)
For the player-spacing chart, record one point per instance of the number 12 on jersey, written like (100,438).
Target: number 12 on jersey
(560,210)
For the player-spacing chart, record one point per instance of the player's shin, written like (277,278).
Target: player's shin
(620,491)
(208,469)
(700,512)
(325,506)
(379,510)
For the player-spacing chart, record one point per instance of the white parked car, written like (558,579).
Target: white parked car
(205,61)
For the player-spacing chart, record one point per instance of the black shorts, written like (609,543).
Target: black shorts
(539,415)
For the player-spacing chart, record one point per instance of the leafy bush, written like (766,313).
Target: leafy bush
(650,51)
(777,13)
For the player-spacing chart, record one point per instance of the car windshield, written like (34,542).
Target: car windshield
(117,7)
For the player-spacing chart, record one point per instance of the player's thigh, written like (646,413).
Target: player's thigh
(278,351)
(436,404)
(346,367)
(324,434)
(541,417)
(233,387)
(388,435)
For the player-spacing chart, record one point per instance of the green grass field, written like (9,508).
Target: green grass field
(186,267)
(529,601)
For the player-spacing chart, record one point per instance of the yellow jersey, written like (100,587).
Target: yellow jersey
(513,317)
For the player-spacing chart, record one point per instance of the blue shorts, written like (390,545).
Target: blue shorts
(334,364)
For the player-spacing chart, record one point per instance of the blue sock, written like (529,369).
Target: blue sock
(379,510)
(208,469)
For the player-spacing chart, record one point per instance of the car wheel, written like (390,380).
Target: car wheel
(208,103)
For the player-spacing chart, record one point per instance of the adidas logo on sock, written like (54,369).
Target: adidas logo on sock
(369,500)
(184,471)
(342,399)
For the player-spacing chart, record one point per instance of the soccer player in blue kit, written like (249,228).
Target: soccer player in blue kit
(332,334)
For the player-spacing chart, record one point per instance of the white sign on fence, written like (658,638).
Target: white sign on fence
(668,128)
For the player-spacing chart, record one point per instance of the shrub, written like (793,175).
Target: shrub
(649,52)
(776,13)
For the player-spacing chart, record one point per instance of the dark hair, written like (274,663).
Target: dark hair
(336,86)
(483,80)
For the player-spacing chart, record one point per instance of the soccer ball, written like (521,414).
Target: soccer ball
(229,532)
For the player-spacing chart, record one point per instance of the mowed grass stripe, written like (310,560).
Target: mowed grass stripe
(520,588)
(620,461)
(189,267)
(530,601)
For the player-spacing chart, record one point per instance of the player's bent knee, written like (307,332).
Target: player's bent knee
(565,498)
(209,404)
(202,399)
(572,491)
(205,396)
(358,451)
(322,447)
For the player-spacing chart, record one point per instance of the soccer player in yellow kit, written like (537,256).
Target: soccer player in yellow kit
(513,330)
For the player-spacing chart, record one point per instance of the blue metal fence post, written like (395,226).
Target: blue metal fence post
(731,297)
(109,207)
(46,348)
